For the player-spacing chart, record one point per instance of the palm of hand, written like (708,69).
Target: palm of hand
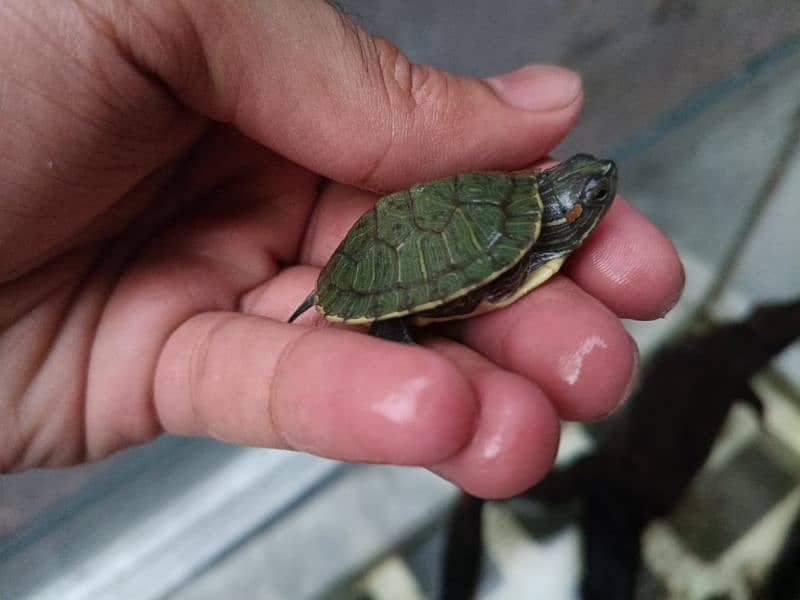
(218,229)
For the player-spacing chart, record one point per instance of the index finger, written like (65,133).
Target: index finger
(250,380)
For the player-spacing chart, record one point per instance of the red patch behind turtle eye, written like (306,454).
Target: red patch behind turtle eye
(573,213)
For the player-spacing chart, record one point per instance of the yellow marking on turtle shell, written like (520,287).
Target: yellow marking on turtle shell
(372,277)
(421,255)
(526,286)
(534,280)
(475,242)
(447,247)
(399,262)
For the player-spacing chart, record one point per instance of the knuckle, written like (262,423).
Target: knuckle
(276,400)
(410,88)
(406,96)
(411,96)
(198,371)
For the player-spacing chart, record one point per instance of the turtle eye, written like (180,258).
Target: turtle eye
(601,195)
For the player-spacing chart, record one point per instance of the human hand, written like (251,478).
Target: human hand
(168,197)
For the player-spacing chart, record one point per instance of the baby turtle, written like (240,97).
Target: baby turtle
(460,246)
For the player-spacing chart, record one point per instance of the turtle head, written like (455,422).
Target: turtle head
(579,190)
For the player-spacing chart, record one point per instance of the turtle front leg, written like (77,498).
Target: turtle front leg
(394,330)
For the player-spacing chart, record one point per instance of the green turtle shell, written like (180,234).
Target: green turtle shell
(422,247)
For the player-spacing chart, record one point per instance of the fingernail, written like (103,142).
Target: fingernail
(538,87)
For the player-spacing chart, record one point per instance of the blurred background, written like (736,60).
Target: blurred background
(699,102)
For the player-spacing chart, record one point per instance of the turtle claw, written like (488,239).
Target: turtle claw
(394,330)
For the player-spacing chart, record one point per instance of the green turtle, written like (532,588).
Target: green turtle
(460,246)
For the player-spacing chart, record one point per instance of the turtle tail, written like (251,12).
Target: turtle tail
(307,303)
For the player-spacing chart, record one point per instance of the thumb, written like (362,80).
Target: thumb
(300,77)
